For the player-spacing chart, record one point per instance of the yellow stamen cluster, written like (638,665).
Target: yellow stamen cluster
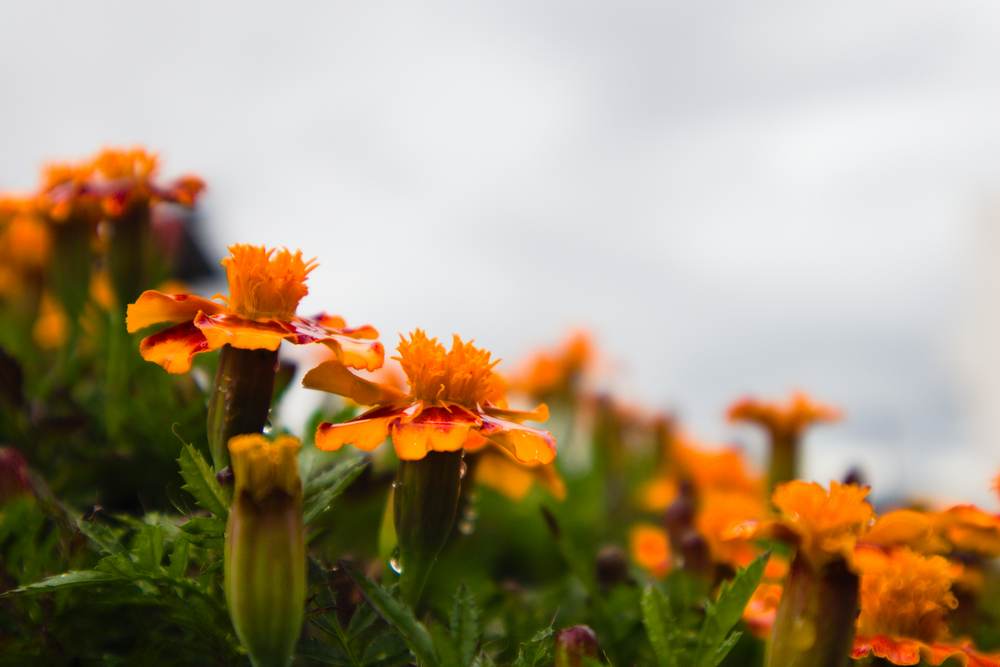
(135,164)
(262,467)
(462,375)
(266,283)
(827,523)
(905,595)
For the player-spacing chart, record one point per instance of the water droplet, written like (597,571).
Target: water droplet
(268,429)
(394,562)
(462,469)
(466,527)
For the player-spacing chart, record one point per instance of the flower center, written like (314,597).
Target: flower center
(266,283)
(462,375)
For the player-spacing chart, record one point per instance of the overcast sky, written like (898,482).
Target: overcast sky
(737,197)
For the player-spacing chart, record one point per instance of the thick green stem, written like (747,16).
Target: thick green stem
(425,503)
(814,626)
(241,398)
(784,458)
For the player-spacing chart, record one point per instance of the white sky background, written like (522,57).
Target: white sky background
(737,197)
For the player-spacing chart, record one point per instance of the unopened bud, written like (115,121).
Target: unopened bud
(265,561)
(575,643)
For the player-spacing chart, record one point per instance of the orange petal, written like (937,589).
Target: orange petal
(366,354)
(539,414)
(438,429)
(154,307)
(365,432)
(226,329)
(174,348)
(498,470)
(333,377)
(528,445)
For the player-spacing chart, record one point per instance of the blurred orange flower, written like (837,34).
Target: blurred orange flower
(558,372)
(905,598)
(455,400)
(265,287)
(789,418)
(650,549)
(498,470)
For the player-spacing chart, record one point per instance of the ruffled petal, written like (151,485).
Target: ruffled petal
(366,354)
(539,414)
(365,432)
(227,329)
(153,307)
(526,444)
(439,429)
(356,347)
(174,348)
(333,377)
(907,651)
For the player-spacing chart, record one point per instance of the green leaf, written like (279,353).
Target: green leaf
(325,487)
(722,615)
(72,579)
(661,626)
(100,535)
(147,550)
(537,651)
(465,625)
(200,482)
(398,615)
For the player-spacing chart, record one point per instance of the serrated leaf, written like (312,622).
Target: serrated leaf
(101,536)
(537,650)
(147,550)
(723,614)
(464,624)
(660,624)
(328,485)
(72,579)
(200,482)
(398,615)
(179,558)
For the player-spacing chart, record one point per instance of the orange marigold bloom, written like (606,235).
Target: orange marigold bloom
(51,326)
(558,371)
(909,528)
(715,469)
(455,401)
(762,609)
(905,598)
(789,418)
(265,287)
(968,528)
(823,524)
(718,512)
(650,549)
(107,185)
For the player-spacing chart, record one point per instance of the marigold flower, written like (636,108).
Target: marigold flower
(916,530)
(109,184)
(785,424)
(823,524)
(762,609)
(791,417)
(265,287)
(650,549)
(715,469)
(557,372)
(51,326)
(970,529)
(905,598)
(718,512)
(455,401)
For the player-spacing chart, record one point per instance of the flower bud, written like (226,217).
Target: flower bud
(575,643)
(265,561)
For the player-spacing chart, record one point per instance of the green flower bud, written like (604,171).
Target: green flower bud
(265,560)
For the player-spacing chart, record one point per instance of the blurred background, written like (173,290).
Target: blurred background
(734,197)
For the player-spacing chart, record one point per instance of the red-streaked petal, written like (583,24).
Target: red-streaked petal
(362,354)
(153,307)
(226,329)
(539,414)
(336,325)
(528,445)
(357,347)
(174,348)
(439,429)
(365,432)
(335,378)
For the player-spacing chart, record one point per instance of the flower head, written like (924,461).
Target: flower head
(265,287)
(905,599)
(790,418)
(824,524)
(455,401)
(557,372)
(650,549)
(262,467)
(266,283)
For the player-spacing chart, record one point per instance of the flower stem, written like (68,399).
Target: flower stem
(425,503)
(241,401)
(814,626)
(784,458)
